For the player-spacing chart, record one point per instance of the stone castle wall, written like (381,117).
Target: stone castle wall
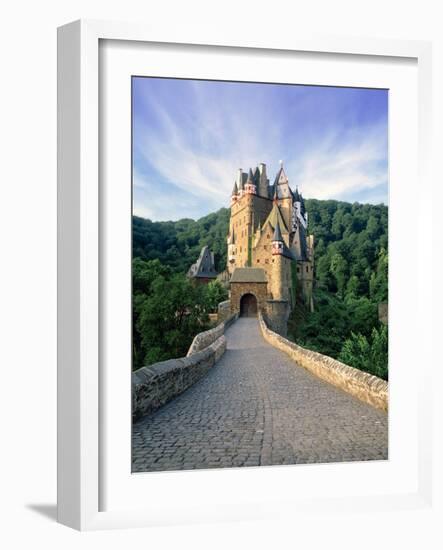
(364,386)
(277,315)
(155,385)
(259,290)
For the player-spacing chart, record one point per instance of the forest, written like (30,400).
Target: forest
(351,279)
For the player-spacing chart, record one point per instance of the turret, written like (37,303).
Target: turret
(231,247)
(281,183)
(302,206)
(263,180)
(296,195)
(299,214)
(240,183)
(278,260)
(277,241)
(234,194)
(250,187)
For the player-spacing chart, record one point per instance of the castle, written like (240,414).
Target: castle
(270,259)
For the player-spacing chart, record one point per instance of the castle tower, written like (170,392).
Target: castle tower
(263,180)
(231,248)
(277,268)
(250,187)
(283,194)
(268,245)
(234,194)
(302,246)
(278,305)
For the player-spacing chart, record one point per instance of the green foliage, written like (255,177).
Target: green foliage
(215,293)
(368,354)
(351,279)
(178,244)
(168,311)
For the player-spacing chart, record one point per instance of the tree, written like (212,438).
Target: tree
(215,293)
(368,354)
(378,285)
(339,268)
(351,265)
(168,310)
(169,317)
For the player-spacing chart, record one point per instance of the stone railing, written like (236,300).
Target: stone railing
(224,310)
(155,385)
(364,386)
(204,339)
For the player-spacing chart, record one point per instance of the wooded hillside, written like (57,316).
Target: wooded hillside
(351,273)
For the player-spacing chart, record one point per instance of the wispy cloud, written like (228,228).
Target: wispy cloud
(339,168)
(190,137)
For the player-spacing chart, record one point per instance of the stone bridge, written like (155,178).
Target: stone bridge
(256,407)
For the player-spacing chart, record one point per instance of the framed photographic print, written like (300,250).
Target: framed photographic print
(232,220)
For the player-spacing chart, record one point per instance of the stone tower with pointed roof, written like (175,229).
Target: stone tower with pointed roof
(268,232)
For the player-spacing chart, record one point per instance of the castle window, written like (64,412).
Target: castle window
(307,269)
(298,269)
(258,261)
(272,260)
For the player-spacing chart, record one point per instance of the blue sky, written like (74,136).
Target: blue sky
(190,137)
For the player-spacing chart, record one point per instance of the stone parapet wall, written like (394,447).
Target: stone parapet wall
(224,310)
(155,385)
(364,386)
(204,339)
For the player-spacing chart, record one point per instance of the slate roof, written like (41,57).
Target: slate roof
(303,255)
(249,275)
(302,205)
(276,217)
(277,177)
(277,233)
(256,176)
(204,266)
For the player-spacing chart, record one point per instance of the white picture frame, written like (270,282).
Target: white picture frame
(80,367)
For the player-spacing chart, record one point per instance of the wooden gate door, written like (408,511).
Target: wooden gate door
(248,306)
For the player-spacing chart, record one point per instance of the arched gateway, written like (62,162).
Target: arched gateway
(248,306)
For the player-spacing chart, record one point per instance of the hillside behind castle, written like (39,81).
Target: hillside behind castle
(351,270)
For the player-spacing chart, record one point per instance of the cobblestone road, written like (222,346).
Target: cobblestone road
(257,407)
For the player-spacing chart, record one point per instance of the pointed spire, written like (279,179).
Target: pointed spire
(235,189)
(296,195)
(250,176)
(240,180)
(277,234)
(302,205)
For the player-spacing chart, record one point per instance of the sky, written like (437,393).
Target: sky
(190,137)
